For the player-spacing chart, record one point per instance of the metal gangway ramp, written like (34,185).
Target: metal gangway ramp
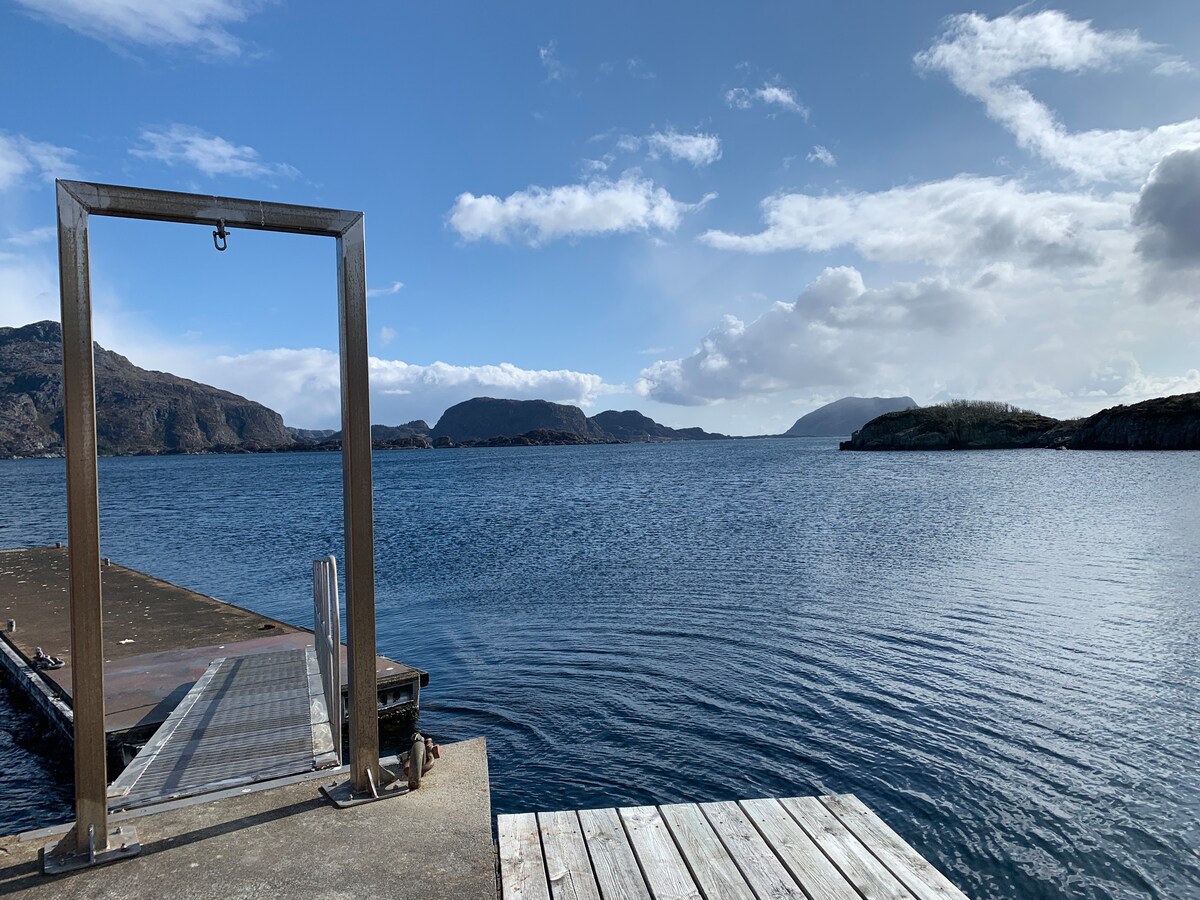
(247,719)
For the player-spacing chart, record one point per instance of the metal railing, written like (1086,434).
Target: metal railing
(327,641)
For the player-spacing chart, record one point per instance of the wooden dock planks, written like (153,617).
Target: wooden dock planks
(616,867)
(522,869)
(716,873)
(567,863)
(804,847)
(917,874)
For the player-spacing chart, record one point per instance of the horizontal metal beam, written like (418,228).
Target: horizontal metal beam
(198,209)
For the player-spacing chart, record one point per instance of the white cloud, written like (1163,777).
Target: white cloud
(1063,347)
(637,69)
(555,70)
(21,157)
(820,154)
(537,215)
(812,342)
(302,385)
(32,237)
(209,154)
(28,290)
(629,143)
(769,94)
(387,334)
(394,288)
(960,220)
(196,23)
(698,149)
(983,57)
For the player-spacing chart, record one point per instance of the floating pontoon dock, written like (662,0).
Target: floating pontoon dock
(809,848)
(159,639)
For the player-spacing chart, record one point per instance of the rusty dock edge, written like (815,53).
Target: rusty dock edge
(159,639)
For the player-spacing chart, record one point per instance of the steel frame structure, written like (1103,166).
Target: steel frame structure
(77,201)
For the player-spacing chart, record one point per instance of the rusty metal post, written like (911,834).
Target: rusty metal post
(76,201)
(358,508)
(83,525)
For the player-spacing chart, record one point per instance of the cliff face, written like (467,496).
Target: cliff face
(846,416)
(1165,423)
(137,411)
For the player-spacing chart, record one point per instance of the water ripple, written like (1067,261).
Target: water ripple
(996,651)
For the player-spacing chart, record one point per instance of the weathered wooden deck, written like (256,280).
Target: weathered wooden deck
(247,719)
(808,848)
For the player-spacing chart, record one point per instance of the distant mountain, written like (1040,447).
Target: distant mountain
(632,426)
(491,422)
(312,435)
(409,436)
(137,411)
(484,418)
(413,429)
(1165,423)
(846,416)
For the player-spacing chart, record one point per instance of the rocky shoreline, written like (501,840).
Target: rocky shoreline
(1164,423)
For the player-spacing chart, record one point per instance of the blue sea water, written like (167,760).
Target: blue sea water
(999,652)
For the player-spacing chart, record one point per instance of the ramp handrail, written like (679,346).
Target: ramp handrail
(327,641)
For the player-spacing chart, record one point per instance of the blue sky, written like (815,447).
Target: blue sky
(722,215)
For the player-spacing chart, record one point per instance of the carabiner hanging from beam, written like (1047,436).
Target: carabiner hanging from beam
(220,237)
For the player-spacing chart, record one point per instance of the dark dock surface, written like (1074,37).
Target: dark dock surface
(159,638)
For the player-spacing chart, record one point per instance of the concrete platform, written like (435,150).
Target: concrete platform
(290,842)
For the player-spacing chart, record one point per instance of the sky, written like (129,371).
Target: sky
(722,215)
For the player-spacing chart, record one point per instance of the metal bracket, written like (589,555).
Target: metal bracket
(342,794)
(66,856)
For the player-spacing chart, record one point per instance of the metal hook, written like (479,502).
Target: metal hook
(220,237)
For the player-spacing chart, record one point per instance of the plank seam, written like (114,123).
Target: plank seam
(537,827)
(845,876)
(633,849)
(587,848)
(687,862)
(771,846)
(682,855)
(721,840)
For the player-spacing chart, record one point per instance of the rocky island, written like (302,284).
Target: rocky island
(1165,423)
(137,411)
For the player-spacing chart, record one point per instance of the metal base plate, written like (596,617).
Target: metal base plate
(343,796)
(122,844)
